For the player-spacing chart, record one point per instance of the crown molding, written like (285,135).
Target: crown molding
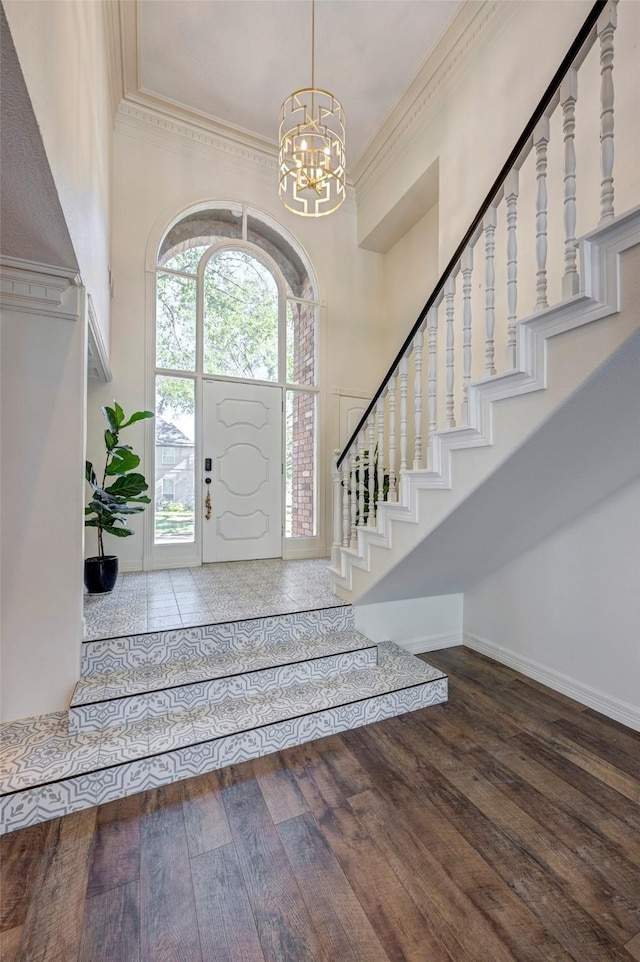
(442,67)
(38,288)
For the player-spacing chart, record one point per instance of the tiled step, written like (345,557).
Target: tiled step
(152,690)
(110,655)
(49,772)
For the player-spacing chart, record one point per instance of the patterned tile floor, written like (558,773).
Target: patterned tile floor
(183,597)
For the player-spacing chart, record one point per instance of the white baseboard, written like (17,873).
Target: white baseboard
(418,646)
(621,711)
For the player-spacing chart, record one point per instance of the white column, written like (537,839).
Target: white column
(346,506)
(353,540)
(568,97)
(337,509)
(380,451)
(371,492)
(42,438)
(467,268)
(449,294)
(607,22)
(489,225)
(432,333)
(417,401)
(540,142)
(511,189)
(404,374)
(393,488)
(361,469)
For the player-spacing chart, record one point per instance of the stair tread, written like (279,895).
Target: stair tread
(47,753)
(147,678)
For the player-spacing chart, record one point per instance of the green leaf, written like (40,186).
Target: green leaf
(110,440)
(90,474)
(138,416)
(121,463)
(112,419)
(118,532)
(119,413)
(128,486)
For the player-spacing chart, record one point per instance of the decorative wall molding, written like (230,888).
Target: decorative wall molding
(39,289)
(615,708)
(411,114)
(98,366)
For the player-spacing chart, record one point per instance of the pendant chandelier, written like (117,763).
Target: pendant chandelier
(312,155)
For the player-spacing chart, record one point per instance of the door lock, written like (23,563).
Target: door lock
(207,464)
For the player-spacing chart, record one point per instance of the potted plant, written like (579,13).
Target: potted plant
(119,494)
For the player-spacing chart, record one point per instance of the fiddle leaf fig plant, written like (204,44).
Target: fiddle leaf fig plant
(120,493)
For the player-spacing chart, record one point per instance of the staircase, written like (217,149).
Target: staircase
(457,443)
(154,708)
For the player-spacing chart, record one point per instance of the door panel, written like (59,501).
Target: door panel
(242,431)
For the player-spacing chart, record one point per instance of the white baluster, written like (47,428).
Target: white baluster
(404,374)
(380,452)
(607,22)
(417,401)
(353,541)
(346,524)
(432,329)
(489,226)
(511,189)
(568,97)
(467,268)
(393,489)
(540,142)
(337,510)
(449,294)
(361,485)
(371,492)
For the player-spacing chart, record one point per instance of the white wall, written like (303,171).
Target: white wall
(567,612)
(159,175)
(42,429)
(420,624)
(62,48)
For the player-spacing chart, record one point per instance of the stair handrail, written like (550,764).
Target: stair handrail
(572,55)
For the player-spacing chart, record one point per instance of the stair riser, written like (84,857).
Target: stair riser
(164,647)
(30,806)
(120,711)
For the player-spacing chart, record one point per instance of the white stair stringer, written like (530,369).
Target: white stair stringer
(402,524)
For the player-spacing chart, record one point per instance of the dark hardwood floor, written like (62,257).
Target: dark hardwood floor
(503,826)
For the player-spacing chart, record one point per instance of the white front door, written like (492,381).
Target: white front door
(242,437)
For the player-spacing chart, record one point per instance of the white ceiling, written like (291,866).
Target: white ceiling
(237,60)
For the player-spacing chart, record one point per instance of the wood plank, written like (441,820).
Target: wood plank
(279,789)
(205,817)
(345,931)
(21,860)
(116,850)
(518,927)
(112,925)
(456,921)
(584,780)
(225,920)
(10,940)
(168,922)
(633,947)
(380,892)
(600,744)
(285,928)
(505,839)
(53,924)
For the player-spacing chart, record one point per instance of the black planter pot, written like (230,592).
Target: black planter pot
(100,574)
